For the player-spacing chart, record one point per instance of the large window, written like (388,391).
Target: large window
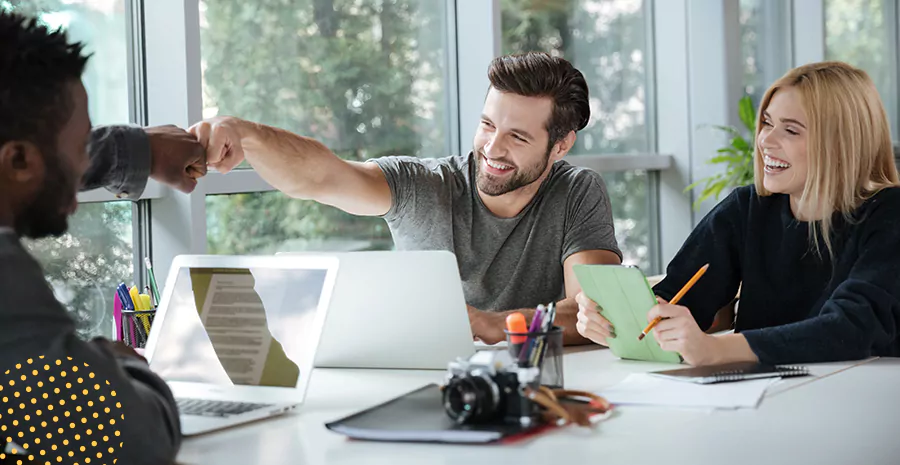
(367,78)
(607,41)
(863,33)
(84,265)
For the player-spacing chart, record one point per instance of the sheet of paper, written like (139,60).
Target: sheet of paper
(643,389)
(235,319)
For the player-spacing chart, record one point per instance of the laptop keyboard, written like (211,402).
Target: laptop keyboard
(215,408)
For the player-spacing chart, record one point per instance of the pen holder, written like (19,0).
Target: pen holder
(543,350)
(136,327)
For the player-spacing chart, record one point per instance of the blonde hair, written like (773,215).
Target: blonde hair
(850,156)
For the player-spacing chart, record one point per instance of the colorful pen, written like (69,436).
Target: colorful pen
(136,298)
(117,315)
(125,297)
(152,277)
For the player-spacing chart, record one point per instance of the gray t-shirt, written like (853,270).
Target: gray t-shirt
(504,263)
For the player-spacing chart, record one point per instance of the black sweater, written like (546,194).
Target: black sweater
(796,306)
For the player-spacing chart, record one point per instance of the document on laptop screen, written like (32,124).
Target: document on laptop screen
(239,326)
(235,319)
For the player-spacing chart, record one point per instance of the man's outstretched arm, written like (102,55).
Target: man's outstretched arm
(301,167)
(123,157)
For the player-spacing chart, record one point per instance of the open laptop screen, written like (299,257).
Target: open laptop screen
(240,326)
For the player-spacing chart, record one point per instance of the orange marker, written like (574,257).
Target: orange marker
(515,323)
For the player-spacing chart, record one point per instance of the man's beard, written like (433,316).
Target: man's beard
(49,211)
(493,187)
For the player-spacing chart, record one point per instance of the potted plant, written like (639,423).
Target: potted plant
(737,157)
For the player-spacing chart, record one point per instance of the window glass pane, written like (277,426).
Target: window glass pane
(765,44)
(269,222)
(366,78)
(862,33)
(84,266)
(629,195)
(606,41)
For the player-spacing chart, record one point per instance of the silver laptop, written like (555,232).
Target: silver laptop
(395,309)
(235,337)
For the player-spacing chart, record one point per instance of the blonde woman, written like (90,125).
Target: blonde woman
(815,242)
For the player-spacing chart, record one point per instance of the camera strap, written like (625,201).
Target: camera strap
(564,406)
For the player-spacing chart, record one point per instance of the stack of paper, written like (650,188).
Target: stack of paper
(643,389)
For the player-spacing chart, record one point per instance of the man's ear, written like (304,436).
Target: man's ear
(21,162)
(562,147)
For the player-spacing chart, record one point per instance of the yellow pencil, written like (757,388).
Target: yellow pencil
(675,299)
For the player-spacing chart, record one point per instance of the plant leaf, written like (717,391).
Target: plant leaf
(730,130)
(741,144)
(736,158)
(747,113)
(692,185)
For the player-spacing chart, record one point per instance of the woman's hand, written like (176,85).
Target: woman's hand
(678,332)
(591,324)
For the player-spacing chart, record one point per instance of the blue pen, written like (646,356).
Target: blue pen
(127,305)
(125,297)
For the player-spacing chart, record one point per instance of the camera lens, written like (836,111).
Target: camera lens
(471,399)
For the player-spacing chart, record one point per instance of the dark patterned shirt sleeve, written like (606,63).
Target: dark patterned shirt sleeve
(120,161)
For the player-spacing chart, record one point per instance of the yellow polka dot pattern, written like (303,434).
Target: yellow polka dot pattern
(58,411)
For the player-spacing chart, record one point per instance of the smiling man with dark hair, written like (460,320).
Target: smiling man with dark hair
(45,131)
(517,217)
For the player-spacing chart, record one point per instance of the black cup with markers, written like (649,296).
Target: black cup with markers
(541,349)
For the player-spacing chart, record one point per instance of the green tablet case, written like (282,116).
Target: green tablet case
(625,297)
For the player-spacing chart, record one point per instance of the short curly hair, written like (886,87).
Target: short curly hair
(36,65)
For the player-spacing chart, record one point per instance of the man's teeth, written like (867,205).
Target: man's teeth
(498,166)
(775,163)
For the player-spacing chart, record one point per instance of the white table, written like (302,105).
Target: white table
(846,413)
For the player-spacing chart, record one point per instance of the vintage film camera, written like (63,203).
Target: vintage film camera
(489,388)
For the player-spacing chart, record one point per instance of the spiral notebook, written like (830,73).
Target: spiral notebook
(731,372)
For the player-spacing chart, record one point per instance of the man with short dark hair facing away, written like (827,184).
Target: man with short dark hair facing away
(45,130)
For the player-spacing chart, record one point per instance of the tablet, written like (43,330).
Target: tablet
(625,297)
